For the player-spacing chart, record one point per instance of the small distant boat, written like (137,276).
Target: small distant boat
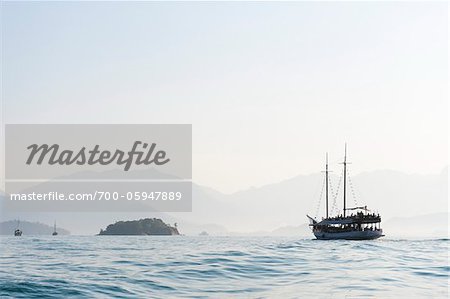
(55,233)
(361,225)
(17,231)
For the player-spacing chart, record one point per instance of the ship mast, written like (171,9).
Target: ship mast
(345,175)
(326,179)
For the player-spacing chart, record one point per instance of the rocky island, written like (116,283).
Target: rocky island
(142,227)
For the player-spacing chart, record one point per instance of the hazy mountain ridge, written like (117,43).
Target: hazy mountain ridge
(283,205)
(391,193)
(424,226)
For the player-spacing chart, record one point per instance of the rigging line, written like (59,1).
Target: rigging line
(316,191)
(359,193)
(320,198)
(352,189)
(334,207)
(331,192)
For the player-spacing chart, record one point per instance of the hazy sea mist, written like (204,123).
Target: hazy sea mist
(224,267)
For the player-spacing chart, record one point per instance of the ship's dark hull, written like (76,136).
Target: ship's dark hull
(349,235)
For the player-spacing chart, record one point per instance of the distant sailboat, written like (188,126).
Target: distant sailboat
(18,232)
(359,226)
(55,233)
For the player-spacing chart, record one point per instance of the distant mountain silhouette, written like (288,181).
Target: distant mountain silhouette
(293,231)
(423,226)
(392,193)
(282,205)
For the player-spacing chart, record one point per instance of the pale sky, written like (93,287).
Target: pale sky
(268,87)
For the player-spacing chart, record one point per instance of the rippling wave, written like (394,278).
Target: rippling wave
(221,267)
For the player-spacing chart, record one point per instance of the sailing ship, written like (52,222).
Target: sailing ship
(361,224)
(17,231)
(55,233)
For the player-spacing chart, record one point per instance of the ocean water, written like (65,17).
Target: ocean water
(221,267)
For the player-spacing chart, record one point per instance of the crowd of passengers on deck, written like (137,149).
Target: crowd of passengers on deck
(359,215)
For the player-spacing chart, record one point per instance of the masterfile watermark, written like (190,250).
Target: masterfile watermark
(97,195)
(79,152)
(95,155)
(98,167)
